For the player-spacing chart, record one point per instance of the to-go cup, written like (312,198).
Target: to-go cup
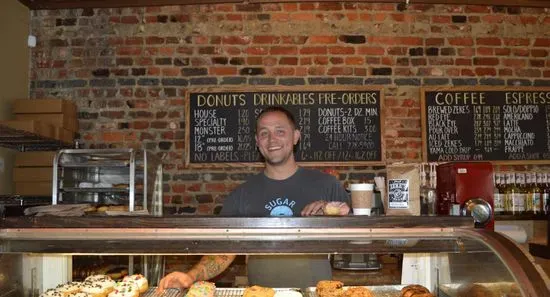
(362,198)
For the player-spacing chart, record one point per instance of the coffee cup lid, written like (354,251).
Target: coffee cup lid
(361,187)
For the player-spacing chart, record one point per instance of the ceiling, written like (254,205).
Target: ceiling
(61,4)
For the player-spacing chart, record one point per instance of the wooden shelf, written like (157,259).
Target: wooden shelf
(522,217)
(22,140)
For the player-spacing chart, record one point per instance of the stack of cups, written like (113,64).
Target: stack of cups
(362,198)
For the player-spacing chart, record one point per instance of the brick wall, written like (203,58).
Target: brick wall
(128,69)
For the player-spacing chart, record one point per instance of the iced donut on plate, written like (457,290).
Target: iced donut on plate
(68,288)
(79,294)
(97,277)
(201,289)
(139,280)
(288,293)
(98,288)
(125,289)
(52,293)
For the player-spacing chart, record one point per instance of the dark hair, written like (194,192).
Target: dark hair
(281,109)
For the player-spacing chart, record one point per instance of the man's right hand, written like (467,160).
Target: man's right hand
(176,279)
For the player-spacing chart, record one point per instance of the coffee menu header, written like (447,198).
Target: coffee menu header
(508,124)
(339,127)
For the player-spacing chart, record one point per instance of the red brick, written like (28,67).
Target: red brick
(224,7)
(488,41)
(194,187)
(370,50)
(184,50)
(153,40)
(341,50)
(280,17)
(215,187)
(354,61)
(336,60)
(323,39)
(128,51)
(303,17)
(313,50)
(435,41)
(502,51)
(484,71)
(166,51)
(493,19)
(112,136)
(234,17)
(307,6)
(398,51)
(316,71)
(379,17)
(300,71)
(461,41)
(133,41)
(306,61)
(283,50)
(153,71)
(144,61)
(466,51)
(452,72)
(223,70)
(539,53)
(282,71)
(270,61)
(441,19)
(521,52)
(528,72)
(542,42)
(505,72)
(319,60)
(387,61)
(151,51)
(463,62)
(172,71)
(254,60)
(242,40)
(200,39)
(516,41)
(178,188)
(256,51)
(528,20)
(384,7)
(486,61)
(340,71)
(288,61)
(130,19)
(294,39)
(467,72)
(290,6)
(485,51)
(403,72)
(478,8)
(546,73)
(266,39)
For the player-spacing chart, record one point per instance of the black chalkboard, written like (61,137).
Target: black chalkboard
(338,126)
(506,125)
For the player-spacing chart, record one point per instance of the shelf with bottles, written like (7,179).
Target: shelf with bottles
(521,195)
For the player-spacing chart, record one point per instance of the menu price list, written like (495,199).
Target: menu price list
(334,125)
(487,125)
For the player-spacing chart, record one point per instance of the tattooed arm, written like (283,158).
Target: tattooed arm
(210,266)
(207,268)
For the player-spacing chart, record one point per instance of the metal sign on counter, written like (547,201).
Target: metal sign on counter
(339,126)
(507,124)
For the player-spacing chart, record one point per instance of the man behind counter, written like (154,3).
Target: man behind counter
(282,189)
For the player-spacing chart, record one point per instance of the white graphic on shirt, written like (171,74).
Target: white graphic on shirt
(280,207)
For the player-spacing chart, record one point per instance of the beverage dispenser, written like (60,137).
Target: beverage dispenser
(464,188)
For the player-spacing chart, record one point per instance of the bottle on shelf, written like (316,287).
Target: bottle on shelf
(423,191)
(506,195)
(515,196)
(545,193)
(498,197)
(533,195)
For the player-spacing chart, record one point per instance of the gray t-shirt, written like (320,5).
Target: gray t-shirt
(261,196)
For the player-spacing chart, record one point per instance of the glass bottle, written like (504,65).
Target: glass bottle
(506,194)
(522,195)
(528,194)
(513,196)
(545,193)
(498,197)
(537,193)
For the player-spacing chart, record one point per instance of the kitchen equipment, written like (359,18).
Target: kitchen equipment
(460,182)
(128,178)
(479,209)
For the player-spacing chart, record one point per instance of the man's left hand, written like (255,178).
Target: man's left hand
(318,207)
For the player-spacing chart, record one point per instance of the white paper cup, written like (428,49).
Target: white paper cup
(362,198)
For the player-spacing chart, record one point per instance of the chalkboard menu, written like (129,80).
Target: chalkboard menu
(506,125)
(338,126)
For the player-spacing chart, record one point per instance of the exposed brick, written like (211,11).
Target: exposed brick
(292,81)
(542,42)
(464,81)
(321,80)
(459,19)
(202,81)
(377,81)
(231,80)
(516,41)
(407,81)
(381,71)
(252,71)
(432,51)
(353,39)
(435,42)
(417,51)
(542,83)
(349,80)
(461,41)
(268,81)
(491,82)
(194,71)
(486,61)
(435,81)
(493,41)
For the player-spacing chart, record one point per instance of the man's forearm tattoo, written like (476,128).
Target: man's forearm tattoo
(212,266)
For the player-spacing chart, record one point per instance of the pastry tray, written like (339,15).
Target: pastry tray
(498,288)
(378,291)
(167,293)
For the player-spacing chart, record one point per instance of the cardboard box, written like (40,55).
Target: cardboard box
(57,119)
(33,174)
(34,127)
(34,159)
(64,135)
(44,106)
(33,188)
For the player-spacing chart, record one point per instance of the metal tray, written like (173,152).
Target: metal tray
(238,292)
(499,289)
(167,293)
(378,291)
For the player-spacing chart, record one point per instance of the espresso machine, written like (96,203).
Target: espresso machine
(466,188)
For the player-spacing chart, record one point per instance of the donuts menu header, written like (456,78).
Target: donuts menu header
(486,124)
(337,126)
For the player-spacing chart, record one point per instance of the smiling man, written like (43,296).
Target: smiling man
(282,189)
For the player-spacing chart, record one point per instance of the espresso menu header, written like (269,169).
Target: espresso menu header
(337,126)
(486,124)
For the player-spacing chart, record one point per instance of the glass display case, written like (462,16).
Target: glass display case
(128,178)
(444,254)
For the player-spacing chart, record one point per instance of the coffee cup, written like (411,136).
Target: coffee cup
(362,198)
